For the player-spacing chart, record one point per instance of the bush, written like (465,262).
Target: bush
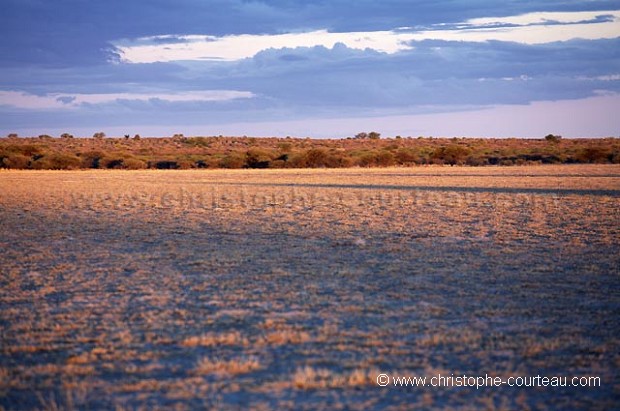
(453,154)
(385,159)
(57,161)
(133,164)
(16,161)
(111,162)
(476,161)
(258,158)
(185,164)
(594,155)
(234,160)
(366,160)
(316,158)
(164,165)
(92,159)
(296,160)
(406,156)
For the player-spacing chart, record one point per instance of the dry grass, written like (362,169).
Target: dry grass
(232,367)
(291,289)
(286,337)
(309,378)
(210,340)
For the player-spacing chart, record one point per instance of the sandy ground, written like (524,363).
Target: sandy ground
(295,289)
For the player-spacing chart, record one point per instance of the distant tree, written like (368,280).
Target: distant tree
(100,135)
(12,135)
(136,137)
(66,135)
(373,135)
(45,137)
(553,138)
(178,136)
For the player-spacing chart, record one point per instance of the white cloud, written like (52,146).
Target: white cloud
(231,48)
(608,77)
(532,28)
(23,100)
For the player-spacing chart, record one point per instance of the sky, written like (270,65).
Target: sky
(318,68)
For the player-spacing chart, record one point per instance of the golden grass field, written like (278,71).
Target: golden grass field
(294,289)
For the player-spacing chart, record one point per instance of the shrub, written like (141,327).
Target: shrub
(92,159)
(366,160)
(339,161)
(277,164)
(133,164)
(57,161)
(258,158)
(316,158)
(476,161)
(66,135)
(234,160)
(553,138)
(296,160)
(185,164)
(285,147)
(29,150)
(406,156)
(165,165)
(594,155)
(16,161)
(99,135)
(452,154)
(385,159)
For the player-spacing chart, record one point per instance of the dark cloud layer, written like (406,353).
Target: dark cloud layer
(77,32)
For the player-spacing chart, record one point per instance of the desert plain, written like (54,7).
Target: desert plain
(295,289)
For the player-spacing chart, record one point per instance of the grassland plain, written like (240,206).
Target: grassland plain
(294,289)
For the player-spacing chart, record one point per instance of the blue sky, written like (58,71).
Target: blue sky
(313,68)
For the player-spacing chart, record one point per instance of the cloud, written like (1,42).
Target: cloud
(69,33)
(282,60)
(532,28)
(22,100)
